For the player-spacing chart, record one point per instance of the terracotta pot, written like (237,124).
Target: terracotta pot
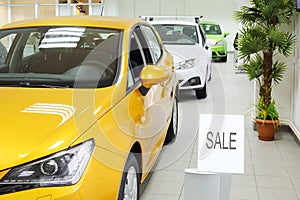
(266,129)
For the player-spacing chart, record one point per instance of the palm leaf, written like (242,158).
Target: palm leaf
(281,40)
(278,71)
(253,67)
(252,40)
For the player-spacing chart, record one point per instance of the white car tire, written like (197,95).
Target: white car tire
(201,93)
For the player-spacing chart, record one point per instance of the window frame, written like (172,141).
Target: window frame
(133,33)
(203,35)
(154,59)
(145,49)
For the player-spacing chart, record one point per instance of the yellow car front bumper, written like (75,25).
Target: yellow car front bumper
(99,181)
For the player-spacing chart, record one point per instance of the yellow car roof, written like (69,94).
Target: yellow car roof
(91,21)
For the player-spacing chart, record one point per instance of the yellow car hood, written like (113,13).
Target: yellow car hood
(35,122)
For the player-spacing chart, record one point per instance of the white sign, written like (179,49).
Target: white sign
(221,143)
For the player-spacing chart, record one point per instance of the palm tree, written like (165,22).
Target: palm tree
(261,38)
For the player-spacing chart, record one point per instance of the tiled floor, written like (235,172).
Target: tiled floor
(272,169)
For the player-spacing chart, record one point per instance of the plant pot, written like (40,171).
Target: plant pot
(266,129)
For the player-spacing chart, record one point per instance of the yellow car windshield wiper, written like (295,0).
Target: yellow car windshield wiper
(42,85)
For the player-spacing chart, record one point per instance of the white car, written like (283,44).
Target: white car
(186,41)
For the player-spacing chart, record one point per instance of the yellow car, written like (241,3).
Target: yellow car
(86,106)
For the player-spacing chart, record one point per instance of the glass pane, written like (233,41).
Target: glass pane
(47,11)
(63,10)
(3,1)
(153,43)
(5,44)
(22,2)
(4,15)
(73,10)
(31,46)
(47,1)
(96,10)
(22,12)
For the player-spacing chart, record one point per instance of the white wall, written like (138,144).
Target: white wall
(213,10)
(111,7)
(296,77)
(283,93)
(288,92)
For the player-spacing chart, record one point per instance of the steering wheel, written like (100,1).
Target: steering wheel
(95,64)
(91,68)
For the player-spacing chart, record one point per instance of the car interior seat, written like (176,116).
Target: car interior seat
(189,31)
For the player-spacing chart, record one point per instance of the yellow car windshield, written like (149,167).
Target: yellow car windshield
(59,57)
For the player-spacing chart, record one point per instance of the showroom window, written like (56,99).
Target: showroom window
(13,10)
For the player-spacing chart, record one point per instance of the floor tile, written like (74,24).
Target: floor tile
(285,136)
(294,172)
(265,151)
(296,184)
(243,192)
(289,152)
(193,164)
(272,169)
(159,197)
(164,188)
(243,180)
(172,176)
(178,166)
(288,144)
(274,182)
(268,160)
(249,170)
(276,194)
(291,162)
(248,160)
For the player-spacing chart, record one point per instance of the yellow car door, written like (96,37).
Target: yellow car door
(152,106)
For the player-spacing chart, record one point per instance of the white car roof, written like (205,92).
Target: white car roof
(183,22)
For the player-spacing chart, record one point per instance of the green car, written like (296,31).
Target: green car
(217,39)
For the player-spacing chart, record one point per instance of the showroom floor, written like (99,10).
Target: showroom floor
(272,169)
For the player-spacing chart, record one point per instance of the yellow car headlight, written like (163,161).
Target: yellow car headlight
(59,169)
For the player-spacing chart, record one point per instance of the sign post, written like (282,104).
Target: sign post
(220,153)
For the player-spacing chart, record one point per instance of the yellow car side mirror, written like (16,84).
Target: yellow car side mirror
(151,75)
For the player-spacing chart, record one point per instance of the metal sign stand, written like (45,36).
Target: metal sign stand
(206,186)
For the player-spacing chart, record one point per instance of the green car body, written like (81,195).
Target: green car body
(217,39)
